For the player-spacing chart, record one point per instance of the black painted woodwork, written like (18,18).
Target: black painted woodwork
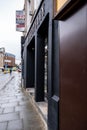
(39,68)
(67,66)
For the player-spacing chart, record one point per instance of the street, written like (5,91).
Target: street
(16,110)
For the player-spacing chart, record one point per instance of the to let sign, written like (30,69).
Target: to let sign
(20,20)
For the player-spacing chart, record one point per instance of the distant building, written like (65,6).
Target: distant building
(6,59)
(9,60)
(2,52)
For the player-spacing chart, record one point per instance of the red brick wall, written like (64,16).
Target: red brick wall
(12,59)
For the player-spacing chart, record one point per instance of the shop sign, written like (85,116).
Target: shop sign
(8,61)
(20,27)
(20,17)
(20,20)
(58,4)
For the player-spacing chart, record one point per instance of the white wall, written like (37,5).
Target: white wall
(30,6)
(36,4)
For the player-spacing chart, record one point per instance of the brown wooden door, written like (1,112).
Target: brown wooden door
(73,71)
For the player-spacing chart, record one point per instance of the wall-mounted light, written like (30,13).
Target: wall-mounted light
(31,13)
(29,1)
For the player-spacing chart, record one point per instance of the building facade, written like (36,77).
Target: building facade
(30,8)
(54,55)
(2,53)
(9,60)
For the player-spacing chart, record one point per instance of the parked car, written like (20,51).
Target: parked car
(19,70)
(6,70)
(14,69)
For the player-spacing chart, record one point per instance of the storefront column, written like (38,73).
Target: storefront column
(39,68)
(53,77)
(29,68)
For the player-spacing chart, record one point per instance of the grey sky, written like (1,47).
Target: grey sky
(9,37)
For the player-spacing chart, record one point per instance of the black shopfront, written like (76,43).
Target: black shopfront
(64,62)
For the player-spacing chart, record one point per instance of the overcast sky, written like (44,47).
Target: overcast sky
(9,37)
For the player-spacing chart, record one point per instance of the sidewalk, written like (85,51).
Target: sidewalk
(16,109)
(7,79)
(42,107)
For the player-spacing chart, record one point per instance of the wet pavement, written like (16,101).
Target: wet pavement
(4,79)
(16,109)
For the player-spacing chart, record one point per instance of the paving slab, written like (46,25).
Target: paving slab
(9,110)
(9,117)
(15,125)
(3,125)
(13,104)
(1,110)
(16,109)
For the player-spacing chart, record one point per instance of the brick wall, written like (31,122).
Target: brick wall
(10,61)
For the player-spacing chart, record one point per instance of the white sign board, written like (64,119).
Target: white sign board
(20,20)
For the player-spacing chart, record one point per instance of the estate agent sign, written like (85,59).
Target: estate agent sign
(20,20)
